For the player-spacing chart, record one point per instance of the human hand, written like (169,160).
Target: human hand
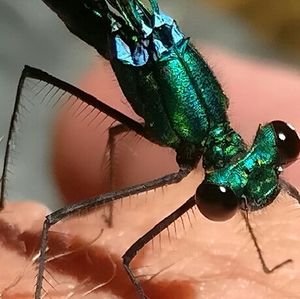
(211,260)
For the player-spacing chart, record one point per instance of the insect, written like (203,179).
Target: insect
(169,84)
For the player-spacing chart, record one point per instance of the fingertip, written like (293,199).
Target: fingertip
(24,214)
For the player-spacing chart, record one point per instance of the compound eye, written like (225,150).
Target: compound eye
(216,202)
(287,141)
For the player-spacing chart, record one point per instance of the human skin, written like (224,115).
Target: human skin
(209,260)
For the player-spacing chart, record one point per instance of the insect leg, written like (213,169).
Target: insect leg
(141,242)
(67,91)
(112,134)
(266,269)
(93,203)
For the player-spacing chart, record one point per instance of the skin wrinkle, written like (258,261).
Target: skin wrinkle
(11,239)
(78,264)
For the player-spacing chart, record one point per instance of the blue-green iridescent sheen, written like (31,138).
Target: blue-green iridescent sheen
(184,92)
(184,107)
(169,84)
(255,175)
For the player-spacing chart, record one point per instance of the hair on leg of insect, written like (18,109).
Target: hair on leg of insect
(62,99)
(122,131)
(32,84)
(184,217)
(37,88)
(8,143)
(93,203)
(168,232)
(142,241)
(47,94)
(189,218)
(182,223)
(175,229)
(48,283)
(116,136)
(52,277)
(265,268)
(81,96)
(101,122)
(113,132)
(79,110)
(57,91)
(87,114)
(42,259)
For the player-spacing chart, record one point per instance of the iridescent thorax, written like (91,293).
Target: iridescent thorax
(169,84)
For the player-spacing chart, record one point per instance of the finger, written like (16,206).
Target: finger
(20,225)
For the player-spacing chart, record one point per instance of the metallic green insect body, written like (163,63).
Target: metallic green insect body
(254,176)
(169,84)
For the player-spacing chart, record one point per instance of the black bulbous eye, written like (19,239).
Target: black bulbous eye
(216,202)
(287,141)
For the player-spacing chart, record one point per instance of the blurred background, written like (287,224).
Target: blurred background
(31,34)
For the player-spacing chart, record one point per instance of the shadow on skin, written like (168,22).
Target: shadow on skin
(212,260)
(94,265)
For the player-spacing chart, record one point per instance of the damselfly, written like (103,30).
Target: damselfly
(168,84)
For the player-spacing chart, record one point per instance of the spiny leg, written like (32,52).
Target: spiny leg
(141,242)
(59,99)
(293,192)
(112,134)
(92,203)
(266,269)
(1,203)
